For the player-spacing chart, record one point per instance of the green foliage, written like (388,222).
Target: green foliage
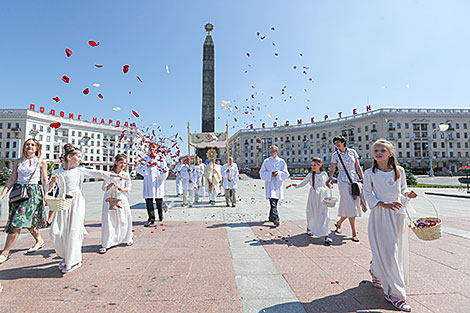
(4,175)
(433,186)
(410,178)
(50,168)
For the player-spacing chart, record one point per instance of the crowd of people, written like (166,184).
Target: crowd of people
(382,189)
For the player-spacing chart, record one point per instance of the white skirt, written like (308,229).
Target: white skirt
(348,207)
(317,212)
(116,225)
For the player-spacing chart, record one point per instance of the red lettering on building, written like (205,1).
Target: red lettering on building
(41,109)
(126,124)
(299,122)
(32,107)
(62,114)
(287,123)
(118,123)
(95,120)
(263,125)
(275,124)
(368,108)
(79,116)
(339,113)
(354,111)
(312,120)
(251,126)
(52,112)
(102,121)
(110,122)
(71,115)
(326,117)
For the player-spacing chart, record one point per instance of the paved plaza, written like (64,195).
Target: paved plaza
(222,259)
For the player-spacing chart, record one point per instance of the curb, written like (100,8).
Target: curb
(446,195)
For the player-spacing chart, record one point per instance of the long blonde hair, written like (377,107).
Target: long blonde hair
(38,149)
(392,160)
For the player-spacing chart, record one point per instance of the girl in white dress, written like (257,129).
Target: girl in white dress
(116,217)
(386,191)
(317,211)
(67,229)
(349,207)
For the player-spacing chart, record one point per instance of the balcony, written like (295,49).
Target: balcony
(373,130)
(16,129)
(391,128)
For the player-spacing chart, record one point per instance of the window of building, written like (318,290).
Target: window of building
(8,135)
(400,154)
(8,144)
(41,128)
(40,137)
(398,125)
(407,145)
(14,144)
(366,128)
(407,126)
(399,145)
(358,130)
(79,134)
(399,134)
(464,126)
(465,135)
(7,154)
(457,126)
(434,145)
(466,145)
(408,154)
(92,135)
(433,125)
(318,135)
(457,135)
(298,137)
(458,145)
(367,137)
(34,126)
(49,130)
(48,138)
(1,125)
(443,145)
(73,133)
(367,146)
(407,135)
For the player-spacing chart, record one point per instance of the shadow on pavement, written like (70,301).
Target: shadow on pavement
(32,271)
(371,301)
(241,225)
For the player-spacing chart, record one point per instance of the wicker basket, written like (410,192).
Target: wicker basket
(59,204)
(330,201)
(428,233)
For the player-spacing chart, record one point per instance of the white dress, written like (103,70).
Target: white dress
(67,229)
(317,211)
(186,174)
(273,184)
(116,225)
(200,174)
(388,236)
(348,207)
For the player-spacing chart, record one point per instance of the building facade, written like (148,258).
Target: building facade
(414,133)
(99,142)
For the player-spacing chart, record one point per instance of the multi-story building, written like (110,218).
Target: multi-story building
(99,142)
(415,134)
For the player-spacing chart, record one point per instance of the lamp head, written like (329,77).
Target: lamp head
(443,127)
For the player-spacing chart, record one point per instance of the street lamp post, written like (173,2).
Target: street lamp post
(442,128)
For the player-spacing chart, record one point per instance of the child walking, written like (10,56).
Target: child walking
(116,218)
(67,229)
(386,191)
(317,211)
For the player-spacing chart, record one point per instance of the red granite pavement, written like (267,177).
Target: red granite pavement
(175,267)
(336,279)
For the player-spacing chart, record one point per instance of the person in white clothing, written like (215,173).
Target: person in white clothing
(317,211)
(116,217)
(200,179)
(349,171)
(386,191)
(155,171)
(213,176)
(274,172)
(230,177)
(189,175)
(67,229)
(179,179)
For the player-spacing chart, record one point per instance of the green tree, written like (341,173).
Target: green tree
(4,175)
(50,168)
(410,177)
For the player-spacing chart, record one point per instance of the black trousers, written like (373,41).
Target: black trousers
(273,214)
(151,209)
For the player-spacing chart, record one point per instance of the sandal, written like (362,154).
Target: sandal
(36,247)
(375,282)
(338,228)
(399,304)
(327,241)
(4,258)
(355,239)
(102,251)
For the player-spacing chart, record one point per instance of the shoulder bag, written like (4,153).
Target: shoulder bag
(22,194)
(355,190)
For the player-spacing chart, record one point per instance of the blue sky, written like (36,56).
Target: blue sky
(384,53)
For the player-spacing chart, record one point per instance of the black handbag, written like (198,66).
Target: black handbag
(355,190)
(22,194)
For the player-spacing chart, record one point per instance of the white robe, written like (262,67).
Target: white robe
(186,174)
(317,211)
(213,176)
(388,235)
(154,177)
(273,185)
(116,225)
(179,179)
(234,175)
(200,175)
(67,229)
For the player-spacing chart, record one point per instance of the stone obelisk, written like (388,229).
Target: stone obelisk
(208,89)
(208,64)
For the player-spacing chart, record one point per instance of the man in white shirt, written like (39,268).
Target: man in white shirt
(274,172)
(230,178)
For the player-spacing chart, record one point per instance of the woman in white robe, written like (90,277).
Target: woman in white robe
(116,217)
(317,211)
(386,191)
(67,229)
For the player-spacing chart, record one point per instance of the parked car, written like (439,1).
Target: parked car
(298,175)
